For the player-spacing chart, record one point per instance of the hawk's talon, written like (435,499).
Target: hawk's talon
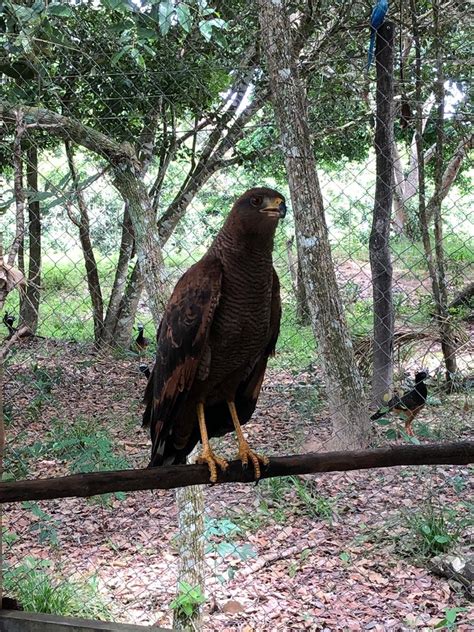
(212,460)
(246,453)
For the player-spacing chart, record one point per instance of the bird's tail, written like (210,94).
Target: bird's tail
(166,453)
(386,408)
(370,56)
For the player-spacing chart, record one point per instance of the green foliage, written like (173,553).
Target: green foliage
(35,585)
(84,446)
(285,495)
(188,600)
(450,617)
(314,505)
(46,526)
(434,529)
(306,399)
(87,448)
(220,535)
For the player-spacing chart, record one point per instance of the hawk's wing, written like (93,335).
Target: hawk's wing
(181,342)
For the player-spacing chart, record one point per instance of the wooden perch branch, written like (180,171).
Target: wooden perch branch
(82,485)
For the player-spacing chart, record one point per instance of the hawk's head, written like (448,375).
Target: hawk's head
(258,210)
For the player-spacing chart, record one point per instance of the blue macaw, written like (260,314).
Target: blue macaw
(376,21)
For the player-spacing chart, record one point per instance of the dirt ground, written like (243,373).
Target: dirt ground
(345,558)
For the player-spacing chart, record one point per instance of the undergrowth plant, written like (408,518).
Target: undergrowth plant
(39,589)
(188,600)
(434,529)
(293,494)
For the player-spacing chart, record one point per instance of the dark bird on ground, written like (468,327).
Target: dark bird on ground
(141,342)
(219,328)
(409,404)
(144,370)
(8,321)
(376,20)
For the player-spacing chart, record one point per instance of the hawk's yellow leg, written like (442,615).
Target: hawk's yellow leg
(245,452)
(207,455)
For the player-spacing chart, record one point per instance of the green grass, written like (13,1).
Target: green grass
(296,346)
(39,589)
(434,529)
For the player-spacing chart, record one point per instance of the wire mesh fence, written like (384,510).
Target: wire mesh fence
(179,91)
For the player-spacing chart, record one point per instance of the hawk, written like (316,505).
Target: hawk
(219,328)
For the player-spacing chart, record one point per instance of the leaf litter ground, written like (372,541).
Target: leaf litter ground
(322,552)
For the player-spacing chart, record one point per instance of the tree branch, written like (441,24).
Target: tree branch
(171,477)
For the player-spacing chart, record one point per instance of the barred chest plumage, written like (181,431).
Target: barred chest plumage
(242,319)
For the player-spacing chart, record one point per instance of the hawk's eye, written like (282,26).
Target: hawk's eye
(256,200)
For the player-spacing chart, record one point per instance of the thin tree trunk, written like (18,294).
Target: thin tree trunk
(447,344)
(120,280)
(20,196)
(92,272)
(441,311)
(29,305)
(379,246)
(128,309)
(351,426)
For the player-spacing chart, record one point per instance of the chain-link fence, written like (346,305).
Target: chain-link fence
(180,90)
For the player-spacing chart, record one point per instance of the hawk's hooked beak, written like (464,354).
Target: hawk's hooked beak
(277,208)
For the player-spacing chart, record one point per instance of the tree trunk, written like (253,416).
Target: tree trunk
(302,309)
(442,315)
(351,426)
(379,247)
(20,196)
(447,343)
(92,273)
(29,304)
(128,309)
(120,280)
(297,284)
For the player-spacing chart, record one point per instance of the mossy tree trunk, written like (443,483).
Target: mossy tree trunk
(351,426)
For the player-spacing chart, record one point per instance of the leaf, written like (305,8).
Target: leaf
(146,33)
(206,27)
(165,16)
(117,4)
(246,552)
(138,58)
(23,14)
(225,548)
(118,56)
(60,10)
(184,16)
(442,539)
(391,433)
(383,421)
